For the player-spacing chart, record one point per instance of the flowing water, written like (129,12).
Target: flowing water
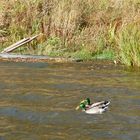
(38,100)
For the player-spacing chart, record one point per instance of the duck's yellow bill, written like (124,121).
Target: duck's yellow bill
(77,107)
(83,101)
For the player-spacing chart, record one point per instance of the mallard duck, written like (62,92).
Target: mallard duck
(95,108)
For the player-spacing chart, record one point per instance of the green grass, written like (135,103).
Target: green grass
(106,54)
(129,44)
(82,54)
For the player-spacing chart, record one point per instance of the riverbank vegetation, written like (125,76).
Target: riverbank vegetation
(85,29)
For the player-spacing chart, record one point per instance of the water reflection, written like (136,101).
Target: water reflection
(37,101)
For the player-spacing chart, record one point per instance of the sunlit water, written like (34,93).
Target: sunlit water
(38,100)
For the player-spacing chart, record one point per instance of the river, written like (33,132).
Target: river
(38,100)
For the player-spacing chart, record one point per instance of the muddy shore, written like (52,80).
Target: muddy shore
(34,58)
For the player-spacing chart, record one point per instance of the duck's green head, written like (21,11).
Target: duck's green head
(81,106)
(88,101)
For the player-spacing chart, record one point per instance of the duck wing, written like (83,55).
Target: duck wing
(101,104)
(97,108)
(93,110)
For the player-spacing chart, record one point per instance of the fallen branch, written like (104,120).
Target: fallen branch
(18,44)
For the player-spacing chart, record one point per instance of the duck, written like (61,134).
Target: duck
(93,108)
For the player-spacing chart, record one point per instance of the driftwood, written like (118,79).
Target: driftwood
(18,44)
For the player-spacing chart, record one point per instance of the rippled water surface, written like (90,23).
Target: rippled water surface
(38,100)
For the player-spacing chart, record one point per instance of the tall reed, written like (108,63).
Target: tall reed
(129,45)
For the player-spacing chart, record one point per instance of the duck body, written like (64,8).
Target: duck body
(95,108)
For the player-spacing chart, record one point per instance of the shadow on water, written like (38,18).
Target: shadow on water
(38,100)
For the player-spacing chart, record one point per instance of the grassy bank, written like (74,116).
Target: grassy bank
(86,29)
